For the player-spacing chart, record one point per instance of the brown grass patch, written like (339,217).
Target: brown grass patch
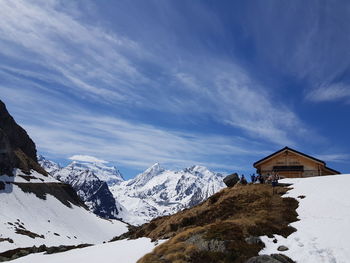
(226,219)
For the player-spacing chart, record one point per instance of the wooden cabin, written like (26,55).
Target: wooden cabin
(290,163)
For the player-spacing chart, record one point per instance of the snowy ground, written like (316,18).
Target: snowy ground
(323,232)
(123,251)
(57,223)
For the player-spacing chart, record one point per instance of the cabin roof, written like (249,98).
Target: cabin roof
(292,150)
(332,170)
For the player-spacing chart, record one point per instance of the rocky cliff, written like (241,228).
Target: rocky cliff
(17,150)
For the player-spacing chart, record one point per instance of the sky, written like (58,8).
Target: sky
(182,83)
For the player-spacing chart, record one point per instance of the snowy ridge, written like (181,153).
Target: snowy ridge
(157,192)
(49,219)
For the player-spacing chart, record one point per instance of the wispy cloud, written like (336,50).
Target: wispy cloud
(107,68)
(52,56)
(337,157)
(86,158)
(332,92)
(136,144)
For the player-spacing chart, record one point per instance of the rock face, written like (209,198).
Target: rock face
(17,150)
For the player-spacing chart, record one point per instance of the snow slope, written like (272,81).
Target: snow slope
(54,222)
(123,251)
(157,192)
(323,232)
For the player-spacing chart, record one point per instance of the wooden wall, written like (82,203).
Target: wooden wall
(288,158)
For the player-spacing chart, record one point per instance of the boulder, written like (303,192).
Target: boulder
(253,240)
(231,179)
(274,258)
(282,258)
(282,248)
(262,259)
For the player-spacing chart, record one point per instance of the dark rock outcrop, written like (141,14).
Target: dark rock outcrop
(17,150)
(274,258)
(231,179)
(21,252)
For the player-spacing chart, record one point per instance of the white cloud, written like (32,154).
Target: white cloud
(333,92)
(103,67)
(336,157)
(136,144)
(86,158)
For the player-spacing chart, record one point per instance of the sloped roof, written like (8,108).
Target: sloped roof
(292,150)
(335,171)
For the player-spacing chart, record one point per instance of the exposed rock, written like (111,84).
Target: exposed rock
(263,259)
(253,240)
(202,244)
(20,252)
(6,239)
(17,150)
(282,258)
(3,259)
(282,248)
(231,179)
(63,192)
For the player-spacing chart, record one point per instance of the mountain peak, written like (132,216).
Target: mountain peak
(154,168)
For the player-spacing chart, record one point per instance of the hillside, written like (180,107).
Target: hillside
(45,211)
(222,229)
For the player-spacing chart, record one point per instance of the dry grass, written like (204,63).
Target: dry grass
(227,218)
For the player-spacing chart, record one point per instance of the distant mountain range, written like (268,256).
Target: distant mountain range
(155,192)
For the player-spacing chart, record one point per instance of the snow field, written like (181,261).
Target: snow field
(323,232)
(123,251)
(72,226)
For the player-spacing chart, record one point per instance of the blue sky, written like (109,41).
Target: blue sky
(178,82)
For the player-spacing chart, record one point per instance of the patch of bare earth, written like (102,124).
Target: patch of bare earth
(222,229)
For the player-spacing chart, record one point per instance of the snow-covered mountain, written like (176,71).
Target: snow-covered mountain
(49,166)
(157,192)
(89,180)
(108,174)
